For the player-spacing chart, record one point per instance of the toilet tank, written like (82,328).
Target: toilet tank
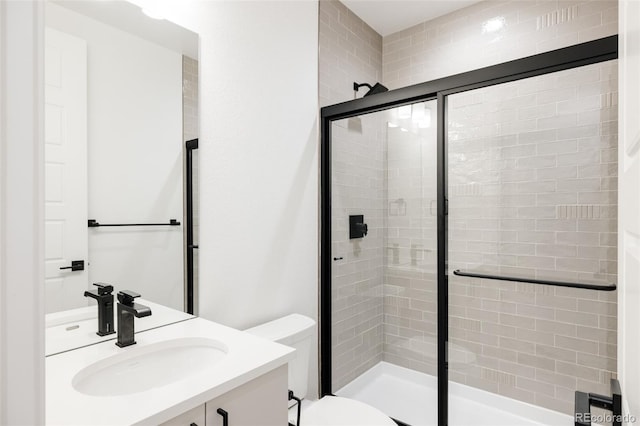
(297,331)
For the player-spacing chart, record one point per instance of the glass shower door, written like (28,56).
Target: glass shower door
(384,261)
(532,191)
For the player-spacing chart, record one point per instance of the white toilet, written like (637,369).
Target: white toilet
(297,331)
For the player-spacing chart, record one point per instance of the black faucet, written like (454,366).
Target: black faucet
(127,310)
(105,307)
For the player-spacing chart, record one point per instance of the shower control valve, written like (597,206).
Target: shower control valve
(357,227)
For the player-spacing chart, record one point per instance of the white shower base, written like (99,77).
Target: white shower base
(412,397)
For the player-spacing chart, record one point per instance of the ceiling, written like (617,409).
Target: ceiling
(390,16)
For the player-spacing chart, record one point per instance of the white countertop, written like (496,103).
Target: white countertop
(248,357)
(75,328)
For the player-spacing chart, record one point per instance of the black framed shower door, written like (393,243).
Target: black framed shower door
(437,91)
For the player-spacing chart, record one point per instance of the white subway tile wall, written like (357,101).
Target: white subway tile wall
(350,51)
(358,158)
(189,98)
(410,297)
(491,32)
(544,206)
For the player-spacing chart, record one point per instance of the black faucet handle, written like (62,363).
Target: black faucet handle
(126,297)
(104,288)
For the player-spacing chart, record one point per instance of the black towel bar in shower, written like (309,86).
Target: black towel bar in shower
(95,224)
(609,287)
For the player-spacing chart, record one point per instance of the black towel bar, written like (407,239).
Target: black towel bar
(95,224)
(609,287)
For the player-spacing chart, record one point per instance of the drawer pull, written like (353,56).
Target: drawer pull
(225,416)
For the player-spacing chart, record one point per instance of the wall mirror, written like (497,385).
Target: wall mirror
(120,102)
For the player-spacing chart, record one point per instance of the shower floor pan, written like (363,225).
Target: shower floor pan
(411,397)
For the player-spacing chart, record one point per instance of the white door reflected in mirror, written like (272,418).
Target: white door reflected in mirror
(115,131)
(65,170)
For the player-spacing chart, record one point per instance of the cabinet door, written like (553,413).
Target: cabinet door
(190,418)
(261,402)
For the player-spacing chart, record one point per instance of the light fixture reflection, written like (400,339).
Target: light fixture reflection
(418,112)
(492,25)
(404,111)
(425,121)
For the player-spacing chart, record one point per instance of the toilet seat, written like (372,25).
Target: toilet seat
(338,411)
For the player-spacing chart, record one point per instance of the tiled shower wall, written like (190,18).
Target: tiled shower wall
(451,44)
(501,333)
(533,193)
(410,297)
(491,32)
(351,51)
(357,273)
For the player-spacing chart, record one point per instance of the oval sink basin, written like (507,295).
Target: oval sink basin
(147,367)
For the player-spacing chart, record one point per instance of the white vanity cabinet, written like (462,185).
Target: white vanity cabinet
(190,418)
(262,401)
(184,373)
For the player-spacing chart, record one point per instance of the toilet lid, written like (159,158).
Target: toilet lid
(337,411)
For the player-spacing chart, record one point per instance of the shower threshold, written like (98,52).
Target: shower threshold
(412,397)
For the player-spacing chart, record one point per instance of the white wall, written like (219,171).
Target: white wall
(21,214)
(134,157)
(258,158)
(629,232)
(259,192)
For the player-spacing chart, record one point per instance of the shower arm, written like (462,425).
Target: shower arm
(357,86)
(375,89)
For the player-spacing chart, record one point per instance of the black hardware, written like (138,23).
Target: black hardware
(76,265)
(190,146)
(225,416)
(298,401)
(193,424)
(92,223)
(127,310)
(357,227)
(442,241)
(105,307)
(375,89)
(338,258)
(592,52)
(609,287)
(613,403)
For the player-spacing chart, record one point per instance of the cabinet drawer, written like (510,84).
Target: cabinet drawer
(261,402)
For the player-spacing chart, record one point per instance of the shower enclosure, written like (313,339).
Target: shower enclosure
(469,242)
